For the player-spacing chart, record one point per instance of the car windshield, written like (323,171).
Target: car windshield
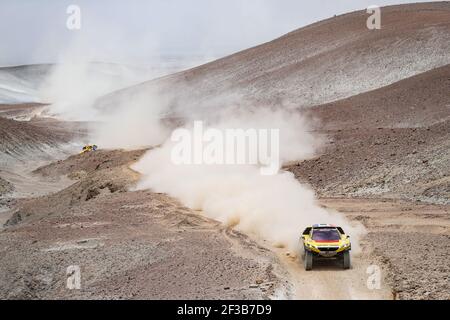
(326,235)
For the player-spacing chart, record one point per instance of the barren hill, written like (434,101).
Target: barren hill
(390,142)
(20,84)
(415,102)
(19,137)
(326,61)
(28,144)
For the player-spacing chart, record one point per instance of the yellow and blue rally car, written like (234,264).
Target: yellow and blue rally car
(89,148)
(325,241)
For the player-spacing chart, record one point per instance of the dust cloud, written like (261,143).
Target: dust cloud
(275,208)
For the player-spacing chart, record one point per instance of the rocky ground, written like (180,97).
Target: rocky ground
(127,244)
(5,187)
(405,163)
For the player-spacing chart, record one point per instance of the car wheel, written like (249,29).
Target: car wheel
(346,260)
(308,260)
(302,253)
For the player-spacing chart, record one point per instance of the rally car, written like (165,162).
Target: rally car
(89,148)
(325,241)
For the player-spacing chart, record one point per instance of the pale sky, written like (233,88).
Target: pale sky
(135,31)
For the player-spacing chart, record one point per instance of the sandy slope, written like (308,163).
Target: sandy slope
(320,63)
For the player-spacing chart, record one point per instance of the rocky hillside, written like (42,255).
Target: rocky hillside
(324,62)
(19,138)
(390,142)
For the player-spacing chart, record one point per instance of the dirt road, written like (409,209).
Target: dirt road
(409,240)
(394,227)
(328,280)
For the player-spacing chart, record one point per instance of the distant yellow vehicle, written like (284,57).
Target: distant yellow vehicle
(89,148)
(324,241)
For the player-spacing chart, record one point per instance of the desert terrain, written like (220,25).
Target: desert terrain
(379,99)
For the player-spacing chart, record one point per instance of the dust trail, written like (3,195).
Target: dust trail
(275,207)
